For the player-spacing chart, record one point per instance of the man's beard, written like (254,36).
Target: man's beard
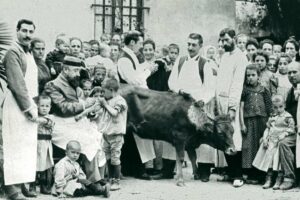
(74,82)
(229,48)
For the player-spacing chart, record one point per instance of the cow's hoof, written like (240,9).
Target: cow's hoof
(180,183)
(197,177)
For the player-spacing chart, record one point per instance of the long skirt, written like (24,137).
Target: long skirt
(250,143)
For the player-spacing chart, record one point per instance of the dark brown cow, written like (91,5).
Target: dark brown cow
(178,120)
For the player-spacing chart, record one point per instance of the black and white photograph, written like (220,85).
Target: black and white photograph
(150,99)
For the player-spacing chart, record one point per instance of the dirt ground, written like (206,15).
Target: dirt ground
(133,189)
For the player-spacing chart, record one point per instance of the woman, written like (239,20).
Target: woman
(291,47)
(76,46)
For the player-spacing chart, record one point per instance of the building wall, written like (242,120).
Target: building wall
(52,17)
(172,20)
(167,21)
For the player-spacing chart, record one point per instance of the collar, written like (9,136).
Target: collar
(195,58)
(26,49)
(70,161)
(129,51)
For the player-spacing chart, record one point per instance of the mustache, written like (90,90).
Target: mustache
(27,38)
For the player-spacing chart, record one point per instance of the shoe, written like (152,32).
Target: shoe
(45,190)
(115,185)
(16,196)
(277,183)
(238,183)
(268,183)
(196,177)
(286,185)
(144,176)
(27,193)
(106,191)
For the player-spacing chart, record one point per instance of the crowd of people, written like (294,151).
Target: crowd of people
(63,121)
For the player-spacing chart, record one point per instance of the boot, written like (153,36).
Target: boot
(101,190)
(278,182)
(45,182)
(26,192)
(115,184)
(268,183)
(45,189)
(32,187)
(286,185)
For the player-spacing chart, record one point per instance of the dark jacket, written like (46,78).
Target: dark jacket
(291,104)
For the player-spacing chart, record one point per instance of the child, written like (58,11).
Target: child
(105,38)
(44,146)
(267,78)
(86,49)
(111,122)
(99,76)
(255,108)
(284,84)
(241,41)
(70,180)
(280,125)
(55,58)
(86,86)
(273,63)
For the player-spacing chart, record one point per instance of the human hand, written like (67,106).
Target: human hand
(62,196)
(52,71)
(244,129)
(31,114)
(41,120)
(102,101)
(232,114)
(265,143)
(282,136)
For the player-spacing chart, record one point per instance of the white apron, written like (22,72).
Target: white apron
(297,93)
(20,134)
(145,147)
(84,131)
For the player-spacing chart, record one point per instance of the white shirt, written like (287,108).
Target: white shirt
(132,76)
(231,77)
(189,79)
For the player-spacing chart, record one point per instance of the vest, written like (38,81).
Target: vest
(126,55)
(201,63)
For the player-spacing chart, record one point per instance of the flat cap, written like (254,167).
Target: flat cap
(73,61)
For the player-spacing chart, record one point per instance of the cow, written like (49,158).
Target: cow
(176,119)
(179,120)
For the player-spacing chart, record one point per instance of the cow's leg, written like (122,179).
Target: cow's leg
(179,162)
(193,156)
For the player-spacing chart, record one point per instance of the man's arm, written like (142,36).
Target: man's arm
(15,80)
(68,108)
(127,72)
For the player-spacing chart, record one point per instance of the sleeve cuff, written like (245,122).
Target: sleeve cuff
(31,107)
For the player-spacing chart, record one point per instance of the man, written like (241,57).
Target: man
(67,99)
(20,142)
(228,90)
(139,150)
(287,146)
(192,75)
(38,51)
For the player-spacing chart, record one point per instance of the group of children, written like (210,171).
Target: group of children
(264,121)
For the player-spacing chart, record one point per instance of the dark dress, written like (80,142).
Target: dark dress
(159,80)
(257,108)
(44,75)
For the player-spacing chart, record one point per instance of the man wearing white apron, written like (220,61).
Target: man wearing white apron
(19,130)
(194,76)
(130,72)
(229,88)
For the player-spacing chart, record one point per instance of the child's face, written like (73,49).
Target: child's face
(64,47)
(107,93)
(105,53)
(44,107)
(81,56)
(252,77)
(86,49)
(241,43)
(251,49)
(173,54)
(267,48)
(278,107)
(105,39)
(94,50)
(87,87)
(98,94)
(148,51)
(261,61)
(271,65)
(100,75)
(277,50)
(210,53)
(73,152)
(282,65)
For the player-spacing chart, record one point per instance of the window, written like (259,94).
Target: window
(117,16)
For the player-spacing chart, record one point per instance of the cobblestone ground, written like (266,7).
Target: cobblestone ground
(133,189)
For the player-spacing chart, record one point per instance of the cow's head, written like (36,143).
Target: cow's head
(223,134)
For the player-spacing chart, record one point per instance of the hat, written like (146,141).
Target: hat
(73,61)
